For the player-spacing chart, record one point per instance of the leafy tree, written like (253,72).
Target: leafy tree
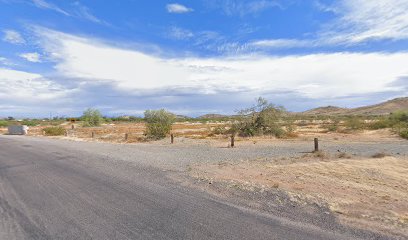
(158,123)
(92,117)
(261,119)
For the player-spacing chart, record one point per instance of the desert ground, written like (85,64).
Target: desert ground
(359,178)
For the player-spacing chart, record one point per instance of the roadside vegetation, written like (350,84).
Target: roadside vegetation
(54,131)
(263,118)
(92,118)
(158,123)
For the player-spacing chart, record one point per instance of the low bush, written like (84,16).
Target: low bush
(30,123)
(379,155)
(54,131)
(262,119)
(404,134)
(219,130)
(92,118)
(158,123)
(380,124)
(354,123)
(4,123)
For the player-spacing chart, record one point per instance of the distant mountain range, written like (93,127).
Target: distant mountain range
(384,108)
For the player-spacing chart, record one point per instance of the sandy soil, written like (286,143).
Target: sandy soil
(366,192)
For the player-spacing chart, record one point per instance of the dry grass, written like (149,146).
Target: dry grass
(371,193)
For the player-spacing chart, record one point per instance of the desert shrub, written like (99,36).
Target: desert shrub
(399,117)
(92,118)
(380,124)
(404,134)
(333,127)
(219,130)
(30,123)
(399,123)
(54,131)
(354,123)
(158,123)
(4,123)
(379,155)
(261,119)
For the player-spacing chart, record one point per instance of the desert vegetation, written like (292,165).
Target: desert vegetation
(54,131)
(263,118)
(92,118)
(158,123)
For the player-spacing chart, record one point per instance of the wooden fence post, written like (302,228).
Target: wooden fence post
(232,140)
(126,136)
(172,138)
(316,144)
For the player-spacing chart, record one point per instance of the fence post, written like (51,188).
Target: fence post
(316,144)
(126,136)
(93,134)
(232,140)
(172,138)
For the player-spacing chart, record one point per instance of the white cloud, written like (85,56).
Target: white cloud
(242,8)
(180,33)
(356,21)
(317,76)
(6,62)
(31,57)
(361,20)
(13,37)
(84,12)
(177,8)
(46,5)
(281,43)
(25,86)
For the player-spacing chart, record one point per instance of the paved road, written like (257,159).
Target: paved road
(55,190)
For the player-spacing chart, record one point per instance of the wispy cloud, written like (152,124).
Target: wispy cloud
(46,5)
(6,62)
(361,21)
(282,43)
(85,13)
(242,8)
(180,33)
(355,22)
(31,57)
(76,9)
(177,8)
(13,37)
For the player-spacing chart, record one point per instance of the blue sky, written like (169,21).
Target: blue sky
(197,57)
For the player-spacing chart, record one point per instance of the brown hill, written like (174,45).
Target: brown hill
(212,116)
(397,104)
(329,110)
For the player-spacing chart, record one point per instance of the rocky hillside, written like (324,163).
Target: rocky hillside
(377,109)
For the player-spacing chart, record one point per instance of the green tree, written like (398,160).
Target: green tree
(158,123)
(261,119)
(92,118)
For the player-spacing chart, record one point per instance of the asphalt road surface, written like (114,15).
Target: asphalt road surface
(52,189)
